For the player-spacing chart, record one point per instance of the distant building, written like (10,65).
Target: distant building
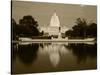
(54,28)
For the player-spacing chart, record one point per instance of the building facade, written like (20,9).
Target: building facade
(54,28)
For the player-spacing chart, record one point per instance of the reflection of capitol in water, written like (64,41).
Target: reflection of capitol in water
(53,56)
(54,51)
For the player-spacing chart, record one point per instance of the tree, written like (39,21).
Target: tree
(82,29)
(28,26)
(28,20)
(79,30)
(68,33)
(15,29)
(92,30)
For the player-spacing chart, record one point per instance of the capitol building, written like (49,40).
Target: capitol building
(54,28)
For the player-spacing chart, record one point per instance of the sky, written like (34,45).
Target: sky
(42,12)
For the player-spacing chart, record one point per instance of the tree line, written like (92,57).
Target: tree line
(28,27)
(82,30)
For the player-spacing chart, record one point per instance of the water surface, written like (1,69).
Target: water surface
(55,56)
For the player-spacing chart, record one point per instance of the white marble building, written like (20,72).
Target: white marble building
(54,27)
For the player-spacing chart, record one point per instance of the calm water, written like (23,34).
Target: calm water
(50,57)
